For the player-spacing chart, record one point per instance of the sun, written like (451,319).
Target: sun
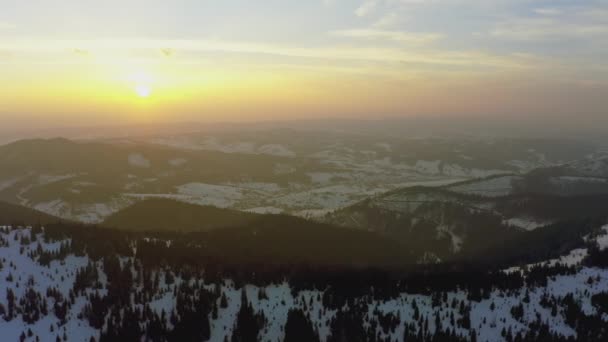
(141,83)
(143,90)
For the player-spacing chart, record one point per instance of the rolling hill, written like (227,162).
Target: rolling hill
(16,214)
(171,215)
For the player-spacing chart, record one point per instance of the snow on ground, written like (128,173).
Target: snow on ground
(385,146)
(321,177)
(276,150)
(7,183)
(330,197)
(138,160)
(313,213)
(525,223)
(265,210)
(579,179)
(97,212)
(455,170)
(456,239)
(54,207)
(491,187)
(429,183)
(209,194)
(214,144)
(258,186)
(593,165)
(177,162)
(573,258)
(488,316)
(59,274)
(602,240)
(428,167)
(524,165)
(87,213)
(48,179)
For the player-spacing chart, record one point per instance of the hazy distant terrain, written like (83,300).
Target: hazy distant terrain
(305,173)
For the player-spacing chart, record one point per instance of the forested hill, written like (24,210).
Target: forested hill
(16,214)
(170,215)
(69,283)
(232,237)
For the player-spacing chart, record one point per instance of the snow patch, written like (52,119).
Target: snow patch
(491,187)
(177,162)
(209,194)
(138,160)
(525,223)
(265,210)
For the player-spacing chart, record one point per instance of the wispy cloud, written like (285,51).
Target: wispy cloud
(389,20)
(530,29)
(581,22)
(366,8)
(397,36)
(121,46)
(550,11)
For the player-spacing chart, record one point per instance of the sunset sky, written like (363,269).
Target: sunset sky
(89,62)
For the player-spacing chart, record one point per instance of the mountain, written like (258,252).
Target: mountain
(16,214)
(593,165)
(243,238)
(232,237)
(468,219)
(287,240)
(170,215)
(95,284)
(298,172)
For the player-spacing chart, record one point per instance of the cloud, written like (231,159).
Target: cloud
(398,36)
(387,21)
(533,29)
(115,47)
(581,22)
(548,11)
(370,6)
(366,8)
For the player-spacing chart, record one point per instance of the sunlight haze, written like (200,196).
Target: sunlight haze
(73,61)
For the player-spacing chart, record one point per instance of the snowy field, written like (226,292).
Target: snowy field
(214,144)
(525,223)
(491,187)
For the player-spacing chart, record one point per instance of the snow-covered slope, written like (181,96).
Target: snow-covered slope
(35,295)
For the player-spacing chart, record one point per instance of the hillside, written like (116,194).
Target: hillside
(12,213)
(171,215)
(286,240)
(442,224)
(95,284)
(296,172)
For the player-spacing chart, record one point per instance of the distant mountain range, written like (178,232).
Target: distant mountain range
(296,172)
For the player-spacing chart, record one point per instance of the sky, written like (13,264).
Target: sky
(98,62)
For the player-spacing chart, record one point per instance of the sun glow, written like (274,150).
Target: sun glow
(143,90)
(141,84)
